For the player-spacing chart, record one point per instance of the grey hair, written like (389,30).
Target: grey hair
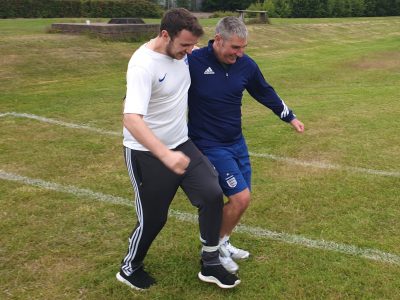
(229,26)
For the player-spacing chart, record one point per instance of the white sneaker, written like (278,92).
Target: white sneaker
(234,252)
(228,263)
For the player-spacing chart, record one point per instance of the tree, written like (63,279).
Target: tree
(283,8)
(232,5)
(183,3)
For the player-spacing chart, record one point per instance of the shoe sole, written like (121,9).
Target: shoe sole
(240,257)
(123,280)
(212,279)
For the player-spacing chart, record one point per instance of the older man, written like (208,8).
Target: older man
(220,72)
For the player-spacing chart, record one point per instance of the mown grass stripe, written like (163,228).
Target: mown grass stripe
(312,164)
(371,254)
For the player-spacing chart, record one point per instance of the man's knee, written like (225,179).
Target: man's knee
(157,221)
(210,194)
(214,196)
(240,200)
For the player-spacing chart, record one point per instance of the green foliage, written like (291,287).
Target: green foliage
(309,8)
(35,8)
(267,5)
(346,8)
(382,7)
(328,8)
(233,5)
(183,3)
(76,8)
(283,8)
(358,8)
(221,14)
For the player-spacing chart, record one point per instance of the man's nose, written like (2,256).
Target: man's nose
(239,52)
(189,50)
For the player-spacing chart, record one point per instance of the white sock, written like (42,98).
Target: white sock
(209,248)
(223,239)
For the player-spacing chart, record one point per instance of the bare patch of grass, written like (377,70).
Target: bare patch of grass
(382,61)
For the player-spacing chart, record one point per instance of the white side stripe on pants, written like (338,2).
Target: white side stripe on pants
(137,234)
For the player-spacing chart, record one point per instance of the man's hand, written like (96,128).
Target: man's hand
(176,161)
(297,125)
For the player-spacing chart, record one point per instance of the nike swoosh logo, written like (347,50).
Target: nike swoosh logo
(162,79)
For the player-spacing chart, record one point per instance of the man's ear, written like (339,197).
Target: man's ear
(218,39)
(164,34)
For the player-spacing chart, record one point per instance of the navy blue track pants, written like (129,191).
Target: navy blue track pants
(155,186)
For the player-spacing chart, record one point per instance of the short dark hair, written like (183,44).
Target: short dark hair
(177,19)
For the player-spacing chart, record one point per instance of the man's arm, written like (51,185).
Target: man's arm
(260,90)
(176,161)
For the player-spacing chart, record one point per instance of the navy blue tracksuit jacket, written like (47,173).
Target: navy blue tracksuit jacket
(215,97)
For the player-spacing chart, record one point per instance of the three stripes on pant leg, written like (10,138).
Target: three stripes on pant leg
(137,234)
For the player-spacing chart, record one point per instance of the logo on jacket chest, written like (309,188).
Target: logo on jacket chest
(209,71)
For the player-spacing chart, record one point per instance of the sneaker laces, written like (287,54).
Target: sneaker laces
(232,249)
(224,251)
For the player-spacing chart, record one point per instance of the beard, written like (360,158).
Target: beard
(171,53)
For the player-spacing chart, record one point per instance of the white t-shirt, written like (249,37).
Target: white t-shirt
(157,87)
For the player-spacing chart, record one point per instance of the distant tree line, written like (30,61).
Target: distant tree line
(78,8)
(310,8)
(232,5)
(151,8)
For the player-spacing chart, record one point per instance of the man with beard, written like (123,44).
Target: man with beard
(159,156)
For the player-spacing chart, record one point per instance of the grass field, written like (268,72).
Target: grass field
(324,221)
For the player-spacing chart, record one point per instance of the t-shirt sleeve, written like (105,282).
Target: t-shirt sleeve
(138,90)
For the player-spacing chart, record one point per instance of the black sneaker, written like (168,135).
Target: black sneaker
(139,280)
(219,275)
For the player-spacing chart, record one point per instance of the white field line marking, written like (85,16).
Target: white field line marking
(321,165)
(256,232)
(289,160)
(61,123)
